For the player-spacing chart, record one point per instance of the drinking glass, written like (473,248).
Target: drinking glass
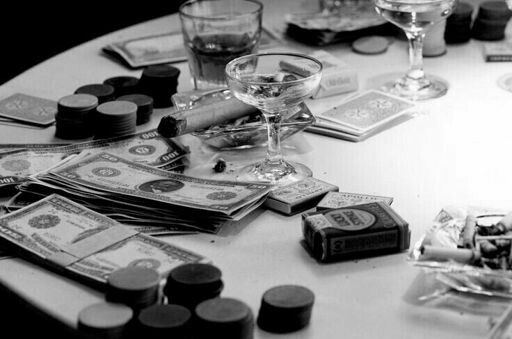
(274,83)
(415,17)
(215,32)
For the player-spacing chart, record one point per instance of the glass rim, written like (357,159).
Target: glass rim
(297,55)
(412,2)
(257,11)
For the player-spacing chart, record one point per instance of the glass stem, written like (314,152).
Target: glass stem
(274,155)
(416,75)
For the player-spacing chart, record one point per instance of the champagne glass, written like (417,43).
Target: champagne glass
(275,83)
(415,17)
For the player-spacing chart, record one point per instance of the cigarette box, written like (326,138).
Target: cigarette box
(354,232)
(343,199)
(337,76)
(299,196)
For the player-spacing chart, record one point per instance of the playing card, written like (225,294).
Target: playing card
(29,109)
(368,110)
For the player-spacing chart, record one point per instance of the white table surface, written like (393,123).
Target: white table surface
(455,151)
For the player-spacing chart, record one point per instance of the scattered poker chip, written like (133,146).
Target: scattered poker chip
(505,82)
(103,92)
(159,82)
(164,321)
(224,318)
(370,45)
(104,320)
(144,106)
(190,284)
(74,117)
(134,286)
(494,10)
(123,85)
(285,308)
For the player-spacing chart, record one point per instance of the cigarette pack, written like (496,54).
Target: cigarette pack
(299,196)
(342,199)
(337,76)
(355,231)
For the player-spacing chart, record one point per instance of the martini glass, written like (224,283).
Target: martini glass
(275,83)
(415,17)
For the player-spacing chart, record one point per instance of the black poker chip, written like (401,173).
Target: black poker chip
(105,320)
(159,82)
(123,85)
(190,284)
(164,321)
(115,118)
(285,308)
(494,10)
(103,92)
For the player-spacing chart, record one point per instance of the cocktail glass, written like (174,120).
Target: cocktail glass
(275,83)
(415,17)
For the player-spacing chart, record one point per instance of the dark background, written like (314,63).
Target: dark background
(33,32)
(29,34)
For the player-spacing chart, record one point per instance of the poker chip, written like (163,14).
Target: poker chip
(285,308)
(103,92)
(123,85)
(115,118)
(159,82)
(190,284)
(494,10)
(75,115)
(164,321)
(134,286)
(488,30)
(370,45)
(104,320)
(458,24)
(224,318)
(144,106)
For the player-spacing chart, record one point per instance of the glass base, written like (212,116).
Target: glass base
(279,174)
(427,88)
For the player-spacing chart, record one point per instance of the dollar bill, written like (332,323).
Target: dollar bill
(108,173)
(149,148)
(54,224)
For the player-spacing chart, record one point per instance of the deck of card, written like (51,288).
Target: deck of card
(362,116)
(299,196)
(21,108)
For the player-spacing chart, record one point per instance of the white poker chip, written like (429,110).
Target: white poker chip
(505,82)
(370,45)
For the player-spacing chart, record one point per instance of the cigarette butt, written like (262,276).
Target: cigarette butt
(202,117)
(468,232)
(506,221)
(462,255)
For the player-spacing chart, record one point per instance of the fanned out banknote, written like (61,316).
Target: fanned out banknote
(137,194)
(63,234)
(149,148)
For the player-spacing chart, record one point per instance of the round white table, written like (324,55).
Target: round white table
(455,151)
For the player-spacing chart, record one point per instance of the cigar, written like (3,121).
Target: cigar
(462,255)
(468,232)
(202,117)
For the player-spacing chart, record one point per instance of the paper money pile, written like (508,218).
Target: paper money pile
(137,194)
(17,162)
(79,242)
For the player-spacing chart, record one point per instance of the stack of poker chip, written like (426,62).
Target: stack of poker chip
(103,92)
(285,308)
(137,287)
(223,318)
(144,106)
(115,118)
(190,284)
(123,85)
(458,24)
(75,116)
(105,320)
(159,82)
(491,21)
(164,322)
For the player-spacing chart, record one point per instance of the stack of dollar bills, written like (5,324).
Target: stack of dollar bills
(83,244)
(17,162)
(136,194)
